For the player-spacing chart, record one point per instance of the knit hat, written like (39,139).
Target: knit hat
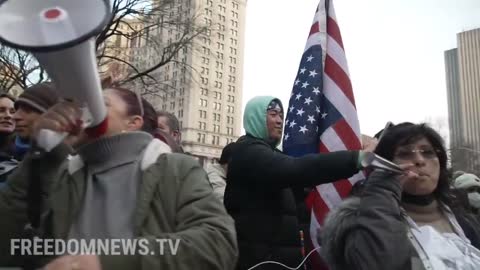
(466,181)
(39,97)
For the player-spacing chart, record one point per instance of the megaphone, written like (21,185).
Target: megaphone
(61,36)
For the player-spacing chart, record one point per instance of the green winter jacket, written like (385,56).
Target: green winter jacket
(175,202)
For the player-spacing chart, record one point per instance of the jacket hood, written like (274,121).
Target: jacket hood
(336,225)
(255,116)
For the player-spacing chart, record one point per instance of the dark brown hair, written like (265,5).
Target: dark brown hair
(145,109)
(407,133)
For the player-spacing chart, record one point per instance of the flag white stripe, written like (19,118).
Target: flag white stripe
(314,230)
(331,140)
(337,54)
(329,194)
(336,96)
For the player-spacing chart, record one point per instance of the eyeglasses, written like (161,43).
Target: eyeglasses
(406,154)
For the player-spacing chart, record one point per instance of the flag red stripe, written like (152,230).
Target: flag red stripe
(314,29)
(334,31)
(320,208)
(347,135)
(343,188)
(336,73)
(322,148)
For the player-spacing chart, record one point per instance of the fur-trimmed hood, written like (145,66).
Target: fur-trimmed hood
(337,223)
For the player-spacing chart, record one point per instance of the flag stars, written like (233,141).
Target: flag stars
(308,100)
(305,84)
(298,96)
(300,112)
(313,73)
(291,108)
(303,129)
(324,115)
(302,70)
(287,136)
(316,90)
(317,109)
(310,58)
(292,124)
(297,81)
(311,119)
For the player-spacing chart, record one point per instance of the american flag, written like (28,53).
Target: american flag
(322,116)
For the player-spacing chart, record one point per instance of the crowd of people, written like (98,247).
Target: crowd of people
(136,182)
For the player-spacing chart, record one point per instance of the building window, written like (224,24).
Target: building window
(180,113)
(233,51)
(205,71)
(218,84)
(180,103)
(203,114)
(210,3)
(230,109)
(220,55)
(221,27)
(217,106)
(208,12)
(229,131)
(217,95)
(219,65)
(233,60)
(216,128)
(216,117)
(231,78)
(202,125)
(204,92)
(221,36)
(231,98)
(219,74)
(204,80)
(233,69)
(200,137)
(202,102)
(172,105)
(215,140)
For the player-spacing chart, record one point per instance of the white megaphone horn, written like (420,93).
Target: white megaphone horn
(61,35)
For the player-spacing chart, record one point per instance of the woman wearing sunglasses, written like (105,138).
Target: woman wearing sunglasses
(408,221)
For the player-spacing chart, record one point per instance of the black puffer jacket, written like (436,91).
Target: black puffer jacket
(259,197)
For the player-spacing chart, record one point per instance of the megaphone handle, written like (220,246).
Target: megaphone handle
(47,139)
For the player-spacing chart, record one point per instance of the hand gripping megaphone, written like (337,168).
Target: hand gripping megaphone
(61,36)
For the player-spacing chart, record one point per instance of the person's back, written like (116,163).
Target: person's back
(217,173)
(259,181)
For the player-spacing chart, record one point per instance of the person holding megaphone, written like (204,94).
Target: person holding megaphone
(123,185)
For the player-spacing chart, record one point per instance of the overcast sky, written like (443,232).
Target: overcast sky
(395,51)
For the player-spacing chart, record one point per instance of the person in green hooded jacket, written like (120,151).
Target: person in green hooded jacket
(259,188)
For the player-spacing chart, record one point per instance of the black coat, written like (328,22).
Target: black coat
(259,197)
